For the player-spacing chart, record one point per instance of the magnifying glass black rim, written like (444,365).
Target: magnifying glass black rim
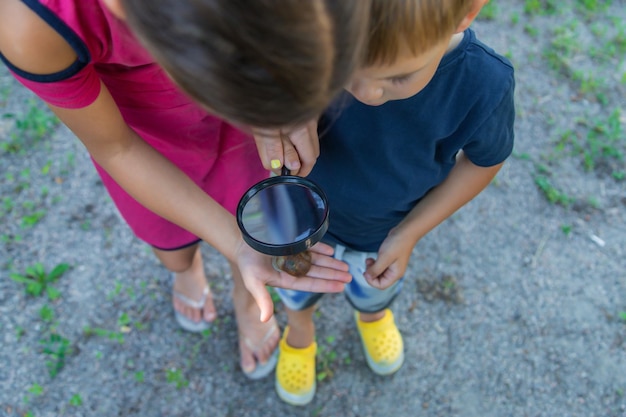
(285,248)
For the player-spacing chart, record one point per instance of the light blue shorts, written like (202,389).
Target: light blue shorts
(362,296)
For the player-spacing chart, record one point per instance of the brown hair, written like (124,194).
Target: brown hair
(420,24)
(265,63)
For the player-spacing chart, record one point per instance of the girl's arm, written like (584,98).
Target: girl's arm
(161,187)
(465,181)
(148,176)
(31,45)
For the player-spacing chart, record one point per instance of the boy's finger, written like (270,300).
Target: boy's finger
(374,269)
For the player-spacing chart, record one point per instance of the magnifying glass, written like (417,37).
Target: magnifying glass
(284,216)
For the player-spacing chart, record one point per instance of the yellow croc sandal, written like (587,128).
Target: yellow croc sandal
(382,344)
(295,372)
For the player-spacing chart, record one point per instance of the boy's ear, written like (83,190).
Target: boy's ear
(115,7)
(477,5)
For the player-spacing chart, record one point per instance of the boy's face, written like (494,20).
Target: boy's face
(407,76)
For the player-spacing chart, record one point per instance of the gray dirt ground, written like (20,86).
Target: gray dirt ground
(516,306)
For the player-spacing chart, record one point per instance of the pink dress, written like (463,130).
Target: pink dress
(219,158)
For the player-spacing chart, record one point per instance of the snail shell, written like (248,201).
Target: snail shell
(297,265)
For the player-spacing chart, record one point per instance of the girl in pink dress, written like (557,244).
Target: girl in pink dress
(175,170)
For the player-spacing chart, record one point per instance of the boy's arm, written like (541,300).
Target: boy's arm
(465,181)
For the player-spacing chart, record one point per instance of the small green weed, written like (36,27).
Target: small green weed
(116,336)
(76,400)
(7,204)
(117,290)
(590,7)
(618,175)
(540,7)
(57,348)
(562,47)
(589,84)
(552,194)
(326,359)
(594,203)
(34,390)
(566,229)
(600,143)
(176,377)
(29,220)
(19,332)
(123,320)
(605,141)
(37,280)
(33,126)
(489,11)
(46,314)
(532,31)
(5,91)
(46,168)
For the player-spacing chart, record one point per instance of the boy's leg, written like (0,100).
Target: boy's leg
(380,337)
(301,327)
(295,372)
(382,342)
(258,341)
(190,282)
(371,317)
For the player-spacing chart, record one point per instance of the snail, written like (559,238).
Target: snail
(297,265)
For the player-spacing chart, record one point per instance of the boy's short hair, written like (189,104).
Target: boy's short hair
(420,24)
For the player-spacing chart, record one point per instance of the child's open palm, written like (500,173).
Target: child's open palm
(326,275)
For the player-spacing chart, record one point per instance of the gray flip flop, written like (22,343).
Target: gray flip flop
(184,321)
(262,370)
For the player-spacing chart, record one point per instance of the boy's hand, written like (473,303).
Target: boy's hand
(296,148)
(393,258)
(326,275)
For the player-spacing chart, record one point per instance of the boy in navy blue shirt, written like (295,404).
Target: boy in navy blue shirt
(427,124)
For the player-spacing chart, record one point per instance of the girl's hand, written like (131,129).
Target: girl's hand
(327,275)
(296,148)
(393,258)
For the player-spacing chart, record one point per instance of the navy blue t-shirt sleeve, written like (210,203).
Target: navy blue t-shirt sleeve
(492,142)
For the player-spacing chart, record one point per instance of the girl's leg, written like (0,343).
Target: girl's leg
(190,281)
(257,340)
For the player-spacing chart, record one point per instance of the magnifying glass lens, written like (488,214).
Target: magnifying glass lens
(284,216)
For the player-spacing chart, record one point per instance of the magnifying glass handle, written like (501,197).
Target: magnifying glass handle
(297,265)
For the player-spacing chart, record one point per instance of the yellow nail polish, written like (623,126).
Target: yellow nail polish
(275,163)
